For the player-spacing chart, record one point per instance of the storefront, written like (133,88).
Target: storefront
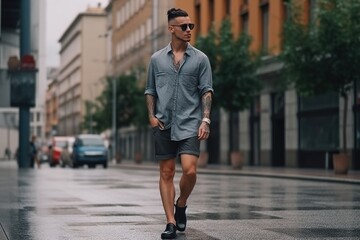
(318,118)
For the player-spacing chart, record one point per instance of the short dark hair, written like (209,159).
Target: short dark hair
(176,12)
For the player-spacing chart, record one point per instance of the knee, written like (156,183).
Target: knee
(167,175)
(190,173)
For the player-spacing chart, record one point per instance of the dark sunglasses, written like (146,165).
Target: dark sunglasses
(185,26)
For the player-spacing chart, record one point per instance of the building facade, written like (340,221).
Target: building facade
(281,128)
(82,66)
(139,29)
(52,115)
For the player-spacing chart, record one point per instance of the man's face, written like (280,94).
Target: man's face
(180,28)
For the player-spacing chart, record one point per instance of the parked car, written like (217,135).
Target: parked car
(59,143)
(89,149)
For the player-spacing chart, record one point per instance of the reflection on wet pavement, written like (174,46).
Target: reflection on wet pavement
(125,204)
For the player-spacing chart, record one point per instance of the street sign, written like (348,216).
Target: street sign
(22,87)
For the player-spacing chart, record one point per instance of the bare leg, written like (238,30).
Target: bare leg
(167,188)
(188,178)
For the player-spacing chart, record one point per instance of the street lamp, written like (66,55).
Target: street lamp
(114,121)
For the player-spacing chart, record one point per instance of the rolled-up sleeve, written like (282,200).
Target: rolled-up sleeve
(205,76)
(150,88)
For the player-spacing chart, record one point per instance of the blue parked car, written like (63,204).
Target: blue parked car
(89,149)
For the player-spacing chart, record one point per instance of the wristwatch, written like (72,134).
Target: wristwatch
(207,120)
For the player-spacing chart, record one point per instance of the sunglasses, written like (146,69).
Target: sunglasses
(185,26)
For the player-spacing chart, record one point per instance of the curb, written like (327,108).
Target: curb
(246,173)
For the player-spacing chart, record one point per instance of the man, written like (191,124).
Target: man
(178,96)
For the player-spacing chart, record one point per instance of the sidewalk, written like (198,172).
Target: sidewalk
(353,177)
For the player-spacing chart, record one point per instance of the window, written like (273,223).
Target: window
(148,27)
(38,131)
(287,9)
(227,7)
(312,10)
(319,122)
(319,132)
(122,16)
(132,8)
(329,100)
(197,18)
(211,12)
(118,19)
(245,22)
(127,11)
(142,33)
(265,27)
(38,117)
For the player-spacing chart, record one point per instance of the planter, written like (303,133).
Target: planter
(118,158)
(138,157)
(203,159)
(237,160)
(341,163)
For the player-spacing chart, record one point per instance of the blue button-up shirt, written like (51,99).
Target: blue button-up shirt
(178,92)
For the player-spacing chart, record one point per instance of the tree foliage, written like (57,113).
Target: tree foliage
(128,95)
(323,55)
(234,67)
(234,72)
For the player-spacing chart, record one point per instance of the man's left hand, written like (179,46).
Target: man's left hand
(204,131)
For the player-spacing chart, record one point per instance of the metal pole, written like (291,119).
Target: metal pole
(114,121)
(91,130)
(24,111)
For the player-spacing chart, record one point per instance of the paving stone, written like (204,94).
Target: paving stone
(116,203)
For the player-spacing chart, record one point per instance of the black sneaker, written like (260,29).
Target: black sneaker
(180,217)
(170,232)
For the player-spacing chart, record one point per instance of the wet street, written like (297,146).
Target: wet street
(124,203)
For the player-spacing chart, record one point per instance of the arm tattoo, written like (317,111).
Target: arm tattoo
(150,102)
(206,104)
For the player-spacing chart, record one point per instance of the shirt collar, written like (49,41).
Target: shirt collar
(187,51)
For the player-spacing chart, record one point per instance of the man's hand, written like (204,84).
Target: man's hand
(154,122)
(204,131)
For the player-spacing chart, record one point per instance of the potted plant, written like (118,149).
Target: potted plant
(324,55)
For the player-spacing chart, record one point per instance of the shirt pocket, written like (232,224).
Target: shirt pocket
(161,79)
(190,81)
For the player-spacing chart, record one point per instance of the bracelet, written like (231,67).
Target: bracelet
(207,120)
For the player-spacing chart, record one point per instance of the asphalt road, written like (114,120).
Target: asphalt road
(116,203)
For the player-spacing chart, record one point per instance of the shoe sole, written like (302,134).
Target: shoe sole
(168,237)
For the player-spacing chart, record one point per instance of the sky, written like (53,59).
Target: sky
(59,15)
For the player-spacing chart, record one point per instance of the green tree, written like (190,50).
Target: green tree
(127,97)
(234,66)
(207,44)
(88,122)
(324,55)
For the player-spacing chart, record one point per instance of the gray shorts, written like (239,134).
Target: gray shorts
(165,148)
